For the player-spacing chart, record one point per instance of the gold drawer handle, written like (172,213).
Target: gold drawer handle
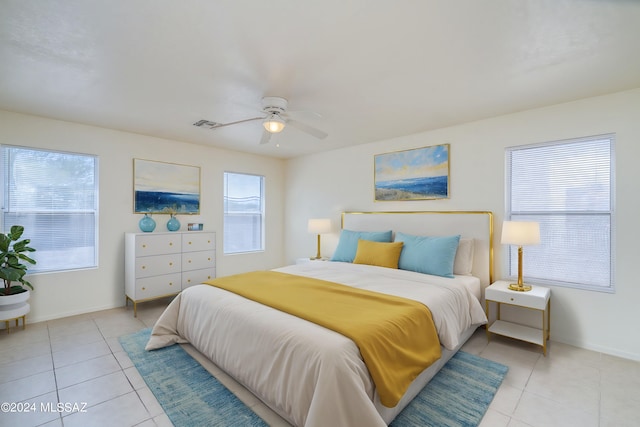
(144,266)
(208,277)
(209,259)
(189,261)
(170,283)
(188,280)
(144,246)
(189,242)
(170,263)
(170,243)
(144,289)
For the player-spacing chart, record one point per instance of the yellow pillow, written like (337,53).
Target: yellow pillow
(378,253)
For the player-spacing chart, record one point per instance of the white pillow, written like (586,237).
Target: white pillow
(463,262)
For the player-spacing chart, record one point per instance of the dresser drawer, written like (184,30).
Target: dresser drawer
(198,260)
(198,241)
(196,277)
(158,265)
(151,287)
(157,244)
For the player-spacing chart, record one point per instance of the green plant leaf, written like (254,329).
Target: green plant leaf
(19,246)
(16,232)
(11,274)
(5,241)
(26,258)
(27,283)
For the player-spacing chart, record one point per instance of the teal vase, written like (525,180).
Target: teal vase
(147,224)
(173,224)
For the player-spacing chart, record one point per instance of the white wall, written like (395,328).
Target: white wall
(67,293)
(326,184)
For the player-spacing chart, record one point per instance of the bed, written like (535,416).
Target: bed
(311,375)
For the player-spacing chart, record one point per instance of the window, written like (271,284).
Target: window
(243,213)
(54,196)
(568,187)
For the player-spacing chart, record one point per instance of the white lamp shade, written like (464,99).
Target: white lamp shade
(273,123)
(319,226)
(520,233)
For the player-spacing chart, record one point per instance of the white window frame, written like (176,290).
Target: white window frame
(226,214)
(47,261)
(534,253)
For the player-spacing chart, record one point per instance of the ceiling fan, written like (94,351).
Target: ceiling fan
(274,120)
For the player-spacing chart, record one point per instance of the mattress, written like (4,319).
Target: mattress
(310,375)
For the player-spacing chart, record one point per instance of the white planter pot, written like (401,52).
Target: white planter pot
(13,307)
(14,299)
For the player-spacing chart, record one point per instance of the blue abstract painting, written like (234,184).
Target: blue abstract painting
(416,174)
(158,186)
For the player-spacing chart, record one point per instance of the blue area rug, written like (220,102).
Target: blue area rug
(458,396)
(188,393)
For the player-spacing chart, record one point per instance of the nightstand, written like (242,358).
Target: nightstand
(538,298)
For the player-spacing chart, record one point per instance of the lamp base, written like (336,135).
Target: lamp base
(520,288)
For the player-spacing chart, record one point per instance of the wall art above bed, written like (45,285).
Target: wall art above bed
(416,174)
(159,187)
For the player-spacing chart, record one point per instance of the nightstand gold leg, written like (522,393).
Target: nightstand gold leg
(486,310)
(549,318)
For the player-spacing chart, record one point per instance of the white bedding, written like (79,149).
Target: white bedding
(310,375)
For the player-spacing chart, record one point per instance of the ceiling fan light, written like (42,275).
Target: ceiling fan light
(273,123)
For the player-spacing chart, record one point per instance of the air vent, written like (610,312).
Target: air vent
(207,124)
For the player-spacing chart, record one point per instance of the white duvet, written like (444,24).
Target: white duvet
(310,375)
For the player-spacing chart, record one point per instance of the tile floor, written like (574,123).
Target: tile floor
(78,360)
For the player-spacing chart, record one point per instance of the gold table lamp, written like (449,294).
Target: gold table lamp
(319,226)
(520,233)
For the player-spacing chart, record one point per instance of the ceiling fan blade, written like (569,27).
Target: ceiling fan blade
(208,124)
(266,137)
(308,129)
(306,112)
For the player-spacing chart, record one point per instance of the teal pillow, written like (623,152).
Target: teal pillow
(429,255)
(348,244)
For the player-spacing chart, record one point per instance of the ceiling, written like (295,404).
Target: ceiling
(360,70)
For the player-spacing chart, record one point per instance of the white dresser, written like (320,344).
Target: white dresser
(162,264)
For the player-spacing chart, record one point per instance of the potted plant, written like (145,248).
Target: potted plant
(12,268)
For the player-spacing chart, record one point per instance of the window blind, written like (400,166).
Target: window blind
(54,195)
(566,186)
(243,213)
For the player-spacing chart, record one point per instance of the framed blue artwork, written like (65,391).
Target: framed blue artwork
(159,187)
(416,174)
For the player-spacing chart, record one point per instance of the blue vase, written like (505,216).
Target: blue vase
(147,224)
(173,224)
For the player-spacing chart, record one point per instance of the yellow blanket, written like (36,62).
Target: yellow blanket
(396,336)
